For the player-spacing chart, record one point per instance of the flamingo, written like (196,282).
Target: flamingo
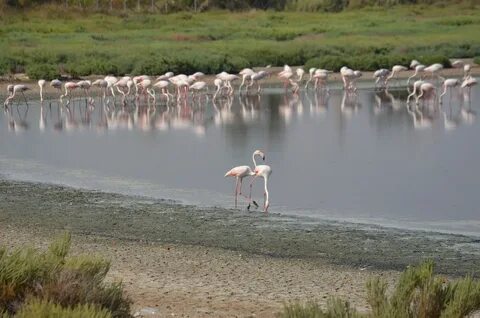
(419,68)
(163,86)
(19,88)
(263,171)
(434,70)
(146,84)
(285,75)
(111,80)
(57,84)
(198,86)
(218,84)
(256,78)
(241,172)
(246,74)
(103,84)
(466,67)
(320,75)
(69,86)
(228,79)
(347,76)
(414,64)
(425,88)
(416,89)
(449,83)
(85,85)
(468,83)
(311,71)
(41,85)
(381,75)
(395,70)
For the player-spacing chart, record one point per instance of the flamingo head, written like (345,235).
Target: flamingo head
(259,153)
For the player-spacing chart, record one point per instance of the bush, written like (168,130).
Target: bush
(51,281)
(45,71)
(477,60)
(418,293)
(44,309)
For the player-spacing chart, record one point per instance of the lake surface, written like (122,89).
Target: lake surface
(365,158)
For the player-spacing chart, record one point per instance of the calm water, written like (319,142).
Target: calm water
(365,159)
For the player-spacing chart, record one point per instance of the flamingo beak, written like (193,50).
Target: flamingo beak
(263,158)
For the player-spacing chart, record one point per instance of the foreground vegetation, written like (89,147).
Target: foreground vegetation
(50,40)
(419,293)
(36,284)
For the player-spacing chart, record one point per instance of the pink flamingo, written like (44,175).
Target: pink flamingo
(426,88)
(395,69)
(69,86)
(449,83)
(20,88)
(241,172)
(263,171)
(41,85)
(13,90)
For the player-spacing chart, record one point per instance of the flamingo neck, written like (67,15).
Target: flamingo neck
(254,162)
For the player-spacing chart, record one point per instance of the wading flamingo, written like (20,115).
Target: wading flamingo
(311,71)
(468,83)
(246,73)
(41,85)
(69,87)
(434,71)
(263,171)
(381,76)
(241,172)
(256,78)
(416,90)
(419,68)
(395,70)
(449,83)
(19,88)
(426,88)
(57,84)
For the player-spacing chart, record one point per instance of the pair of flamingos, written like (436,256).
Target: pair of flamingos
(241,172)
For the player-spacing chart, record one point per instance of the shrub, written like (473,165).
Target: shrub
(477,60)
(45,71)
(33,280)
(418,293)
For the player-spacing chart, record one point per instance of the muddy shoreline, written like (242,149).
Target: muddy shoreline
(136,219)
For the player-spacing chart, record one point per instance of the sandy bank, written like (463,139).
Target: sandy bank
(195,281)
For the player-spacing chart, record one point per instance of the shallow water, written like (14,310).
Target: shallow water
(363,158)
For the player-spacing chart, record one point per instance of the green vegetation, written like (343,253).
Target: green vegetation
(51,40)
(419,293)
(50,284)
(168,6)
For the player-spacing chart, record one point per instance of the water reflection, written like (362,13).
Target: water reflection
(199,112)
(401,150)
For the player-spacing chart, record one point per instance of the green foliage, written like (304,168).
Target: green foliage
(45,71)
(44,309)
(419,293)
(477,60)
(51,40)
(51,281)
